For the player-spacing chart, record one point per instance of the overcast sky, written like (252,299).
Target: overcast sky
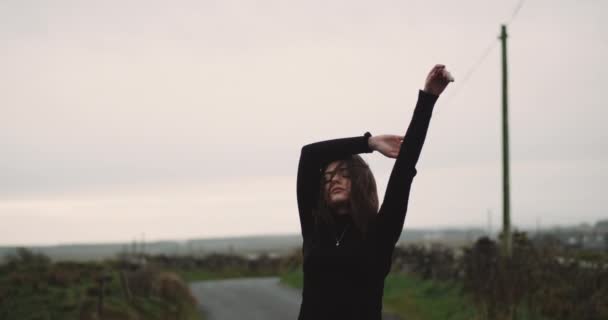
(180,119)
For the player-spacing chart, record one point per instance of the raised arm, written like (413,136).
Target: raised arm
(312,158)
(392,213)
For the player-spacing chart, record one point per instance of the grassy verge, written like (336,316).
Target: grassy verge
(70,291)
(293,278)
(408,295)
(413,298)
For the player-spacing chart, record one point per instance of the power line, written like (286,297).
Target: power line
(472,69)
(516,11)
(483,56)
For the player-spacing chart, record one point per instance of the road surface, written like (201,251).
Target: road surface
(250,298)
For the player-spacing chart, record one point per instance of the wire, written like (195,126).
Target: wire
(472,70)
(516,11)
(483,56)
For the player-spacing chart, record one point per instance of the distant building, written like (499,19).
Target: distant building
(583,236)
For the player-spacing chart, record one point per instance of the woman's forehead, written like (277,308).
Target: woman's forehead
(335,165)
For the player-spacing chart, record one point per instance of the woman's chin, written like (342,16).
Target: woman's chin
(338,201)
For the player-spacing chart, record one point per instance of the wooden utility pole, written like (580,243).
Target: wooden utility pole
(506,207)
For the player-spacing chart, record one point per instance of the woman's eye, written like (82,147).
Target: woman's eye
(342,172)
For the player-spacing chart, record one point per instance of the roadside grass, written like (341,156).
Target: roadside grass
(417,299)
(294,278)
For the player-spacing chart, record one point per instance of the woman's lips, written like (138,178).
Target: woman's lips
(334,190)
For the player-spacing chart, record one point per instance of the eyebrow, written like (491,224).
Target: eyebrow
(336,169)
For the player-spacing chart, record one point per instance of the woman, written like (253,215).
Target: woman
(347,240)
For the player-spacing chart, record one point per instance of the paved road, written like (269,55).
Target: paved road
(251,299)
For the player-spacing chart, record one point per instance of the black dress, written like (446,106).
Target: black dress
(347,281)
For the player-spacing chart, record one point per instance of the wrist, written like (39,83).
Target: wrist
(430,91)
(371,143)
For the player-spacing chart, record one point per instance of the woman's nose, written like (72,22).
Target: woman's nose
(336,177)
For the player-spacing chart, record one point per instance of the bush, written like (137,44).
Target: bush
(435,262)
(534,281)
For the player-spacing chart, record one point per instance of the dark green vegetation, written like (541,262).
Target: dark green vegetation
(192,275)
(223,266)
(540,280)
(31,287)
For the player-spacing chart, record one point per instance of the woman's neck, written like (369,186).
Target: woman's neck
(341,211)
(342,218)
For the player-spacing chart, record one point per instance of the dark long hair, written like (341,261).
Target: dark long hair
(363,201)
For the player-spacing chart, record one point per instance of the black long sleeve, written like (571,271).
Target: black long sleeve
(394,207)
(312,158)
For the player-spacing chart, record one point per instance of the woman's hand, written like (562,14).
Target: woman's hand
(387,144)
(437,80)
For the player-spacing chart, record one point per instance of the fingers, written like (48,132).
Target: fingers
(395,137)
(396,152)
(436,73)
(392,154)
(390,145)
(438,69)
(447,75)
(441,73)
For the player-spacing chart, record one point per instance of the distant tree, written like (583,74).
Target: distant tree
(601,226)
(25,256)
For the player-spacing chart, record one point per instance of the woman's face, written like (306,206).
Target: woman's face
(337,184)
